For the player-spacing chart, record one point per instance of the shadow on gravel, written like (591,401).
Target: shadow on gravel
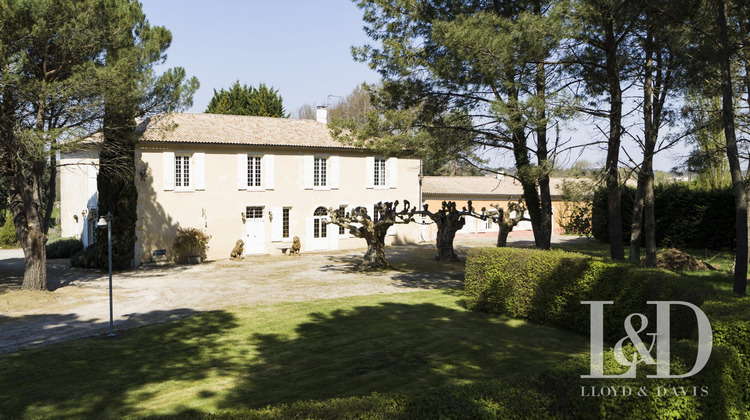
(36,330)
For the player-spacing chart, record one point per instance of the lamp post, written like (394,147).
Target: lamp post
(107,221)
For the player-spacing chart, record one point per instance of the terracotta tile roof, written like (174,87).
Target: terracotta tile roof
(487,186)
(234,129)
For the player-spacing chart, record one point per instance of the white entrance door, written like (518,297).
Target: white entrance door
(254,231)
(318,230)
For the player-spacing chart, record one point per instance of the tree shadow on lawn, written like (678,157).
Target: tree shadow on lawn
(96,377)
(393,347)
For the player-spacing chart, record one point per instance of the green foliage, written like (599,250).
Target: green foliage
(247,100)
(66,67)
(86,258)
(8,232)
(548,287)
(63,248)
(438,75)
(729,323)
(578,199)
(721,378)
(686,217)
(190,242)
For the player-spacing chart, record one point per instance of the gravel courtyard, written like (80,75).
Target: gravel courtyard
(78,305)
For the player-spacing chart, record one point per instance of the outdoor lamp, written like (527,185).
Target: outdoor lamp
(104,221)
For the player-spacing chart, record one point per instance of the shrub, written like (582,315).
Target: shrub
(729,322)
(85,259)
(8,232)
(190,242)
(720,378)
(687,217)
(63,248)
(548,287)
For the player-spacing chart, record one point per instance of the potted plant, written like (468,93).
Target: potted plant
(190,245)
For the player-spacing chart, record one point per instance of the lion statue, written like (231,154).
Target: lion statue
(238,250)
(296,246)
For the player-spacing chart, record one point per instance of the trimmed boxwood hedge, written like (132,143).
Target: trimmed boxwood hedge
(730,323)
(63,248)
(548,287)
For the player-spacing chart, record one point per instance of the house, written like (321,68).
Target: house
(262,180)
(483,191)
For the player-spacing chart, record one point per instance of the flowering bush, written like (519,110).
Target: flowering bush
(190,242)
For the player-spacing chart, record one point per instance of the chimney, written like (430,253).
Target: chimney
(322,115)
(500,175)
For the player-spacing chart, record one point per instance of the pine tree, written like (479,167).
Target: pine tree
(247,100)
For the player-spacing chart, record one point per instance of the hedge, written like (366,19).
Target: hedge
(730,323)
(686,217)
(548,287)
(552,394)
(63,248)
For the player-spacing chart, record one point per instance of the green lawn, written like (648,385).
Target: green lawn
(254,356)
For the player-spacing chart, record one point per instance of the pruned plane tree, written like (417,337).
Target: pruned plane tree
(373,229)
(449,220)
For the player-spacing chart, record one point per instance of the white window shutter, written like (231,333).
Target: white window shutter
(392,172)
(242,171)
(277,224)
(168,171)
(333,236)
(334,175)
(200,171)
(269,163)
(309,232)
(370,172)
(309,162)
(91,187)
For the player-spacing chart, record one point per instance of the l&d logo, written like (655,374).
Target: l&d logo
(642,353)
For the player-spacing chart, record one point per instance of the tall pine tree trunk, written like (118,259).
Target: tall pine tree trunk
(650,136)
(616,249)
(738,181)
(25,206)
(544,239)
(636,230)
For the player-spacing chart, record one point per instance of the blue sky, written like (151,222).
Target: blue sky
(301,48)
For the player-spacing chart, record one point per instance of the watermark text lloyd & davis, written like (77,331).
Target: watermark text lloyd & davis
(643,354)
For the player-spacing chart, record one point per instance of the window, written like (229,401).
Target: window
(319,224)
(342,212)
(379,175)
(182,171)
(285,223)
(319,172)
(254,213)
(253,171)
